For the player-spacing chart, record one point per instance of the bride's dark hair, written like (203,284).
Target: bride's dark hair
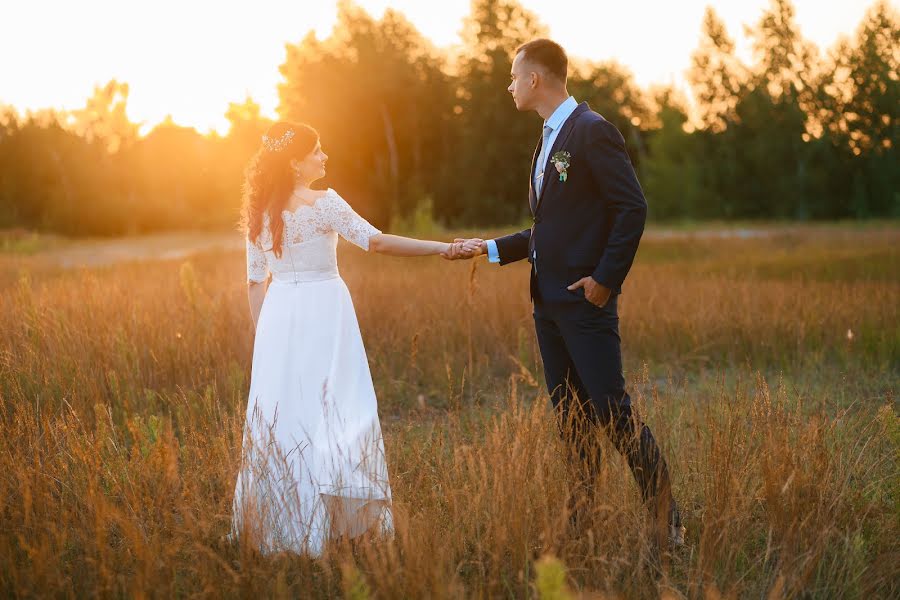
(269,178)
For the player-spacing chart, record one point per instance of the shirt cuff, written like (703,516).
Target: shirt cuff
(493,254)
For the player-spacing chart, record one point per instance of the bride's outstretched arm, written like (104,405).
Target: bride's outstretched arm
(357,230)
(256,292)
(396,245)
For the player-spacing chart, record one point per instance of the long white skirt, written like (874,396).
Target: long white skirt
(313,464)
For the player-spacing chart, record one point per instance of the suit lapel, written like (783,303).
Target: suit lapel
(560,142)
(532,194)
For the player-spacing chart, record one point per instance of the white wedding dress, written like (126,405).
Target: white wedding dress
(313,464)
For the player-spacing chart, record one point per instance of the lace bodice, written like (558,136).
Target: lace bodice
(309,245)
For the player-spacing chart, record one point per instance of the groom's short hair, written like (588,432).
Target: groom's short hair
(548,54)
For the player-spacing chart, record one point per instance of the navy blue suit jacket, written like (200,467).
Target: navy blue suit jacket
(591,223)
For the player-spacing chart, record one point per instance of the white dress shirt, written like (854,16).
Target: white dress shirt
(555,123)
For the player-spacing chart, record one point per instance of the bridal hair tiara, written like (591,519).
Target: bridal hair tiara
(276,145)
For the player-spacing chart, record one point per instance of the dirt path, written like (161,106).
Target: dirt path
(160,246)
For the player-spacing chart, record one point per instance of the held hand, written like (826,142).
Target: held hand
(452,250)
(455,250)
(463,248)
(594,292)
(474,247)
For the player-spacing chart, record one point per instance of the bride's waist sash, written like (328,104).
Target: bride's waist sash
(295,277)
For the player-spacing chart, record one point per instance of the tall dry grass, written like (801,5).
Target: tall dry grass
(123,390)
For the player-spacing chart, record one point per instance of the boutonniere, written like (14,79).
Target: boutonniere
(561,160)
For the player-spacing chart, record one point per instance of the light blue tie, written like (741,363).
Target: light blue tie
(542,160)
(539,174)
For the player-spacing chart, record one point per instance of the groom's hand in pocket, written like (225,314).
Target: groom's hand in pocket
(595,293)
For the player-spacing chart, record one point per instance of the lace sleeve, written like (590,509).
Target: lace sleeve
(352,227)
(257,269)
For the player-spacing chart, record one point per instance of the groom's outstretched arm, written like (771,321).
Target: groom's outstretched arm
(509,248)
(612,170)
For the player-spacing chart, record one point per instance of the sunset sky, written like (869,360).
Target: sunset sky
(191,58)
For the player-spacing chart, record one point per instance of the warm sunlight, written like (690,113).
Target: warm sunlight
(190,59)
(403,299)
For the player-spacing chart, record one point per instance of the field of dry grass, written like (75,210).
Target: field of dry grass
(767,367)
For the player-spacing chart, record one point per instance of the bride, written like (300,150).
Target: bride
(312,463)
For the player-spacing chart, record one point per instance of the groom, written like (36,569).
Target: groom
(588,216)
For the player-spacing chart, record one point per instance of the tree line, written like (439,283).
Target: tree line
(797,134)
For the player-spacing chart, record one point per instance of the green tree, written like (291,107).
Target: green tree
(719,82)
(870,114)
(173,182)
(610,90)
(246,125)
(104,117)
(716,75)
(672,177)
(785,60)
(755,119)
(493,143)
(376,93)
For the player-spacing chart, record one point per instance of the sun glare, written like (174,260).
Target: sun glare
(190,60)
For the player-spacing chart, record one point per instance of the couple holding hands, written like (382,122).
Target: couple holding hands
(313,465)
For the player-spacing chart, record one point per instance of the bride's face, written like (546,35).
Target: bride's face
(522,84)
(312,167)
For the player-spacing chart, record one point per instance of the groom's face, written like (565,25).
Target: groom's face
(523,82)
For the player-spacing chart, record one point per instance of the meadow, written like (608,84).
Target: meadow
(767,367)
